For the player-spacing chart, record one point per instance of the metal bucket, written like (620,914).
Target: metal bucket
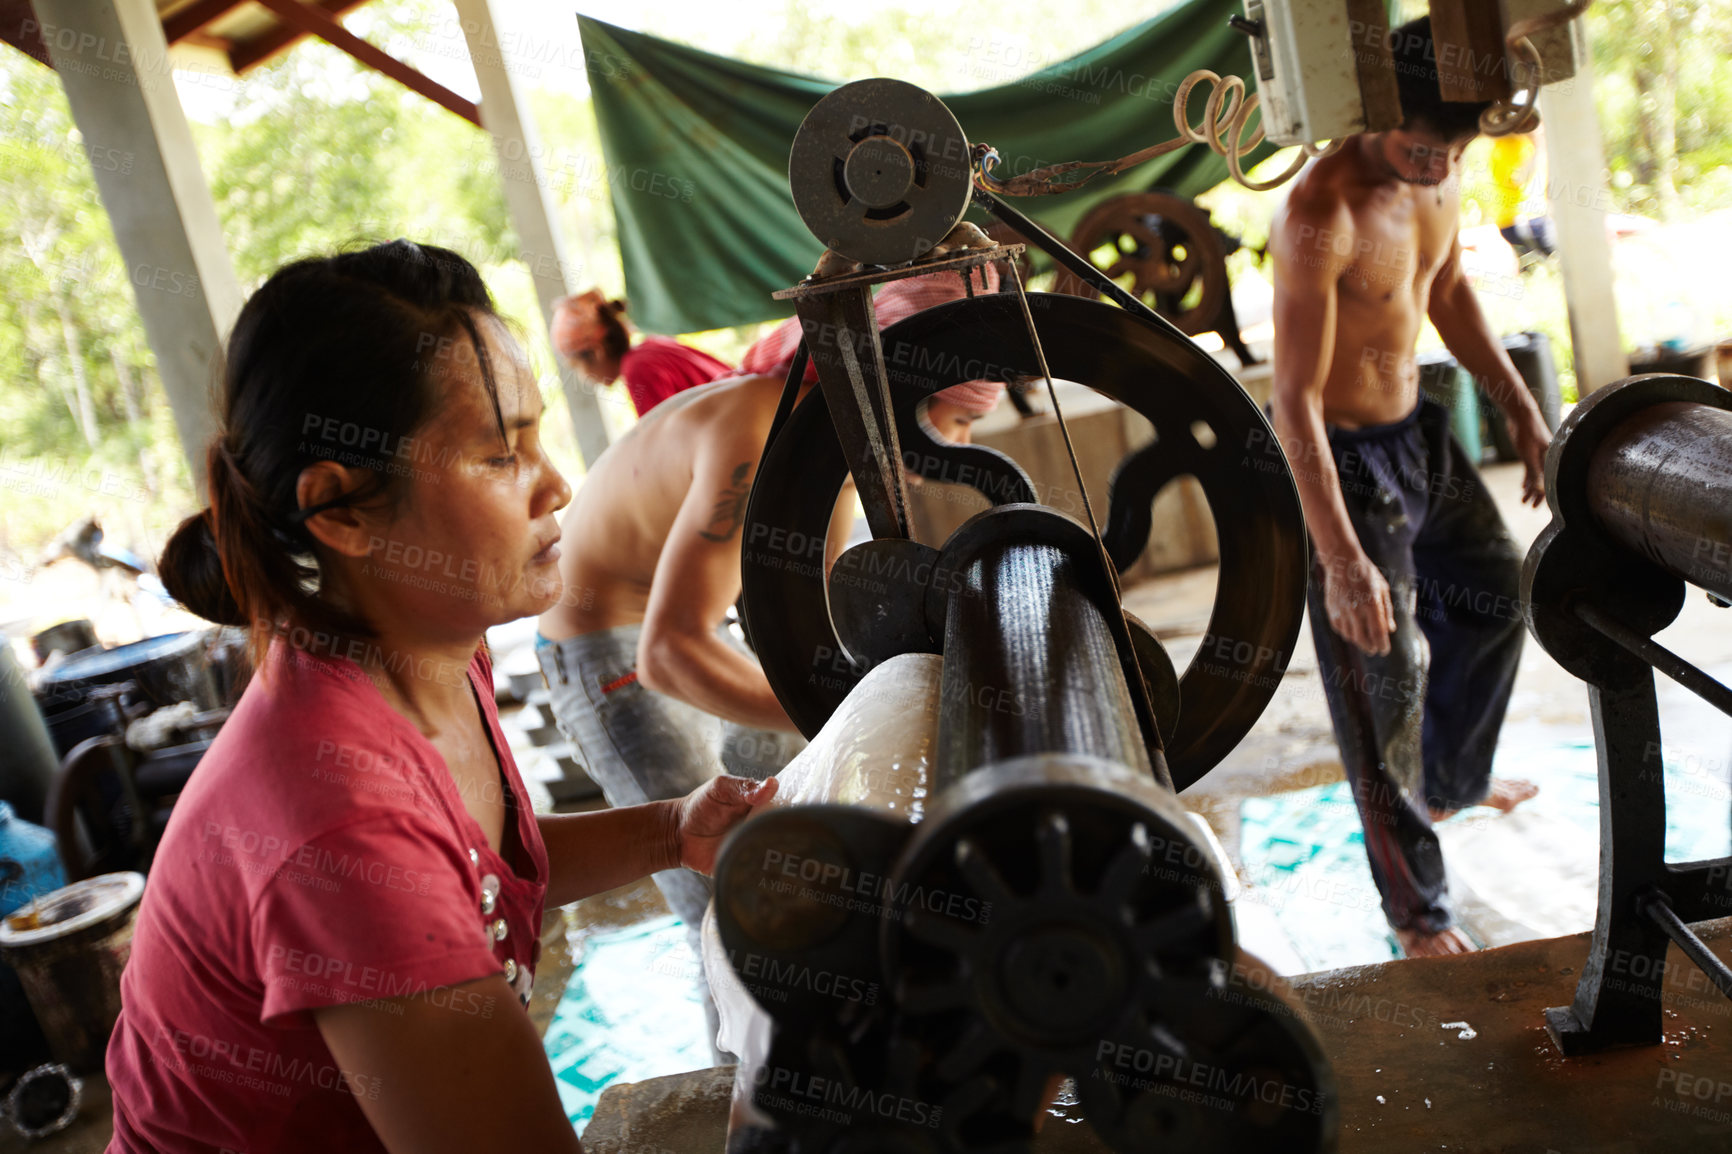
(69,947)
(67,638)
(167,669)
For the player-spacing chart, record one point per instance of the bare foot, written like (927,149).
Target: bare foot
(1418,943)
(1509,792)
(1506,793)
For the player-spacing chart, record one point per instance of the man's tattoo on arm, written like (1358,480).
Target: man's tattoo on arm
(730,507)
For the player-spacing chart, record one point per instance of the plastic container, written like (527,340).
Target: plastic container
(29,862)
(1531,353)
(29,867)
(67,638)
(69,947)
(1444,380)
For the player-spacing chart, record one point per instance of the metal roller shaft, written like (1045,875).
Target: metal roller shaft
(1660,484)
(1029,665)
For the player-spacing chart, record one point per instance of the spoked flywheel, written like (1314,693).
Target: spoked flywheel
(1205,426)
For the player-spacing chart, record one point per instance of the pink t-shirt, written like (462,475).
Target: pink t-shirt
(656,368)
(321,854)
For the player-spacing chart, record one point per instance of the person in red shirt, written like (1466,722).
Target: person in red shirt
(591,333)
(340,927)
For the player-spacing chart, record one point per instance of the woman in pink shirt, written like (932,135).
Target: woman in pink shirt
(340,928)
(591,333)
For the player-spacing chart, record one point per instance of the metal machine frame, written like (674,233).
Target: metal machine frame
(1638,480)
(930,985)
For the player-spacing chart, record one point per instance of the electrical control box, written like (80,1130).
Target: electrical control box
(1323,68)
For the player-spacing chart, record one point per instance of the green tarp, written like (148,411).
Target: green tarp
(697,152)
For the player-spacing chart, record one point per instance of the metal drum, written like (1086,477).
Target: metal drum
(84,696)
(167,669)
(69,948)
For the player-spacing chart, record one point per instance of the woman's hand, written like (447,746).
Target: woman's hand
(704,817)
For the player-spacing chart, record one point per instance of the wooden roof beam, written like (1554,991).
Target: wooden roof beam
(255,50)
(316,22)
(194,17)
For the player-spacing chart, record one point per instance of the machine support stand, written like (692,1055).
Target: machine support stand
(1618,997)
(842,340)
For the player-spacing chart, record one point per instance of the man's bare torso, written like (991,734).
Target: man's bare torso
(1394,238)
(620,519)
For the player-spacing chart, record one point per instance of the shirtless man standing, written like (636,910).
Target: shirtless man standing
(1414,599)
(638,667)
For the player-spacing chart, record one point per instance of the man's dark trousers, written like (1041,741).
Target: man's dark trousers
(1418,726)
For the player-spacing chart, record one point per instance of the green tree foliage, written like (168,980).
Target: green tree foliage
(319,153)
(1664,95)
(82,425)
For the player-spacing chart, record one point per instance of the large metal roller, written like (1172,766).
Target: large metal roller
(1031,664)
(1659,485)
(1639,480)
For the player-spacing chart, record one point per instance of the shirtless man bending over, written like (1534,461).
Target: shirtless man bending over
(1414,598)
(640,672)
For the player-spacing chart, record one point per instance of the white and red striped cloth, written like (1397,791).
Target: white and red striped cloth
(773,354)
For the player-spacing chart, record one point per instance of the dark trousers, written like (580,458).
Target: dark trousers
(1531,234)
(1419,725)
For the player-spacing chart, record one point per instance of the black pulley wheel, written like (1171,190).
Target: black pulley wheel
(880,171)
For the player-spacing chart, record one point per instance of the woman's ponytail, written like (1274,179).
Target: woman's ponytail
(192,571)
